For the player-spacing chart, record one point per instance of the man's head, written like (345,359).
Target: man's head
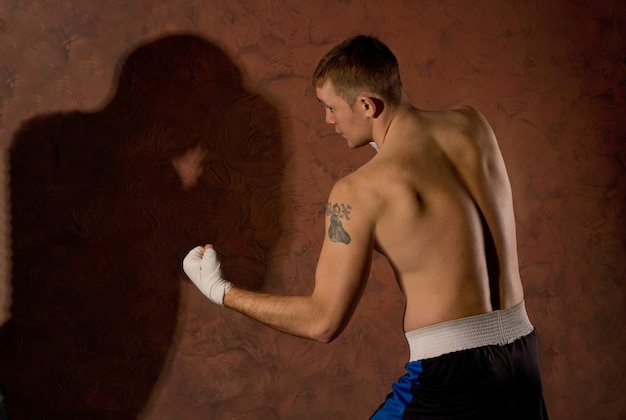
(361,64)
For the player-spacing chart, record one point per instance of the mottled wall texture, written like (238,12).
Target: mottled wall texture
(133,130)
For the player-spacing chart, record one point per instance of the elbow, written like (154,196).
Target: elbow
(324,337)
(325,331)
(327,320)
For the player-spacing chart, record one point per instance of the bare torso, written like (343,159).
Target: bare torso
(429,220)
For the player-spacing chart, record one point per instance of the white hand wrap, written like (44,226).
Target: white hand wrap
(203,268)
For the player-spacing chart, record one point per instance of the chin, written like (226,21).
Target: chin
(357,145)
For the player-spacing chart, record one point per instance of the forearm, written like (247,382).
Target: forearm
(297,315)
(318,316)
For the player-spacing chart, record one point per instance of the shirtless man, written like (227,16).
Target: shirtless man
(436,201)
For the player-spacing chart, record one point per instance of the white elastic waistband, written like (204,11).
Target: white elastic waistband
(493,328)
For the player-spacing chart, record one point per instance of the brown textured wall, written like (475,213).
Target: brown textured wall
(137,129)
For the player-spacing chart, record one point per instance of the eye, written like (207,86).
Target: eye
(331,108)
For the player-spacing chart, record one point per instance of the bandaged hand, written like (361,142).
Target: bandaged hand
(203,268)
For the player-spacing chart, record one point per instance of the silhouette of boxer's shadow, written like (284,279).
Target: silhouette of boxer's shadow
(104,207)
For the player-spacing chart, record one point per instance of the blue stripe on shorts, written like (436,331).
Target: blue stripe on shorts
(401,395)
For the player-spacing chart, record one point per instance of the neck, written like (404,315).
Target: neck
(384,124)
(386,131)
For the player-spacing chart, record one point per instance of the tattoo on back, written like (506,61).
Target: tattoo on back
(336,232)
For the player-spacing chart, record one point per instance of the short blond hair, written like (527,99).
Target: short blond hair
(358,64)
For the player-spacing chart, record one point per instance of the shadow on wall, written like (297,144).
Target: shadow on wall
(104,207)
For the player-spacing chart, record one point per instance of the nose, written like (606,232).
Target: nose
(330,119)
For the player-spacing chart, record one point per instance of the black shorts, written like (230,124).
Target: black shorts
(501,380)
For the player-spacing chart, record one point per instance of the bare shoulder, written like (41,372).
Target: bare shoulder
(360,189)
(464,134)
(355,186)
(474,125)
(469,120)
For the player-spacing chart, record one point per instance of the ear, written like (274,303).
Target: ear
(371,105)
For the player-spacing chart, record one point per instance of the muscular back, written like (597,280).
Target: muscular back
(443,215)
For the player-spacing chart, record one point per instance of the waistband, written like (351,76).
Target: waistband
(498,327)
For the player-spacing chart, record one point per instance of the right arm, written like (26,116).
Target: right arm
(340,275)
